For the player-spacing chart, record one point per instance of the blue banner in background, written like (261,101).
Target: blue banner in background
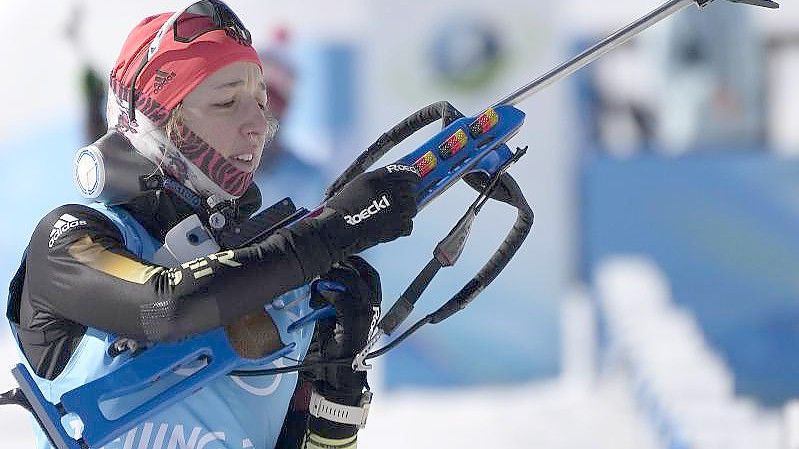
(724,230)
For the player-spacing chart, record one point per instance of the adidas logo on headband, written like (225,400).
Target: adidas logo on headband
(161,78)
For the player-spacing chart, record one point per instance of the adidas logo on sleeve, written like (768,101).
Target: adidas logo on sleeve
(64,224)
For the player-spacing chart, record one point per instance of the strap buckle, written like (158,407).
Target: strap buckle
(344,414)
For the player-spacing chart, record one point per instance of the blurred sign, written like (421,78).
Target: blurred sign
(724,231)
(466,52)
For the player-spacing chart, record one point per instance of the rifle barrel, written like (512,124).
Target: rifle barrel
(588,56)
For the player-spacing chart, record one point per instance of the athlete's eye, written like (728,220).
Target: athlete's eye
(226,104)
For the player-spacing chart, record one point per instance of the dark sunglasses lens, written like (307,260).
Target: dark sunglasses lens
(205,16)
(198,19)
(233,25)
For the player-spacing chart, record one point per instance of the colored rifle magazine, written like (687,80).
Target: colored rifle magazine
(485,122)
(453,144)
(426,163)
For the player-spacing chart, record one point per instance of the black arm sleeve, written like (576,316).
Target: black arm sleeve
(78,269)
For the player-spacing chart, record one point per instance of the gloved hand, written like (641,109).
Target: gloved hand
(344,336)
(376,207)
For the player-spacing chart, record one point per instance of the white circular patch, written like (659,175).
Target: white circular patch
(261,391)
(89,171)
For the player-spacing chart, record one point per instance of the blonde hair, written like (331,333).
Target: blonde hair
(174,122)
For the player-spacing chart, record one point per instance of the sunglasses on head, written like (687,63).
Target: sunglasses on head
(188,24)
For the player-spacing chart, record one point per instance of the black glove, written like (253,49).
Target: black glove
(344,336)
(373,208)
(376,207)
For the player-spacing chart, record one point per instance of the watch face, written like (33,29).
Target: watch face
(89,172)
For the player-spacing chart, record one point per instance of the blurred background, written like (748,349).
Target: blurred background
(655,304)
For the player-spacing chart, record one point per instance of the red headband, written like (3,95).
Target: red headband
(175,69)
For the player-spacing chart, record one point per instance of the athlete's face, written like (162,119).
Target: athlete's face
(228,111)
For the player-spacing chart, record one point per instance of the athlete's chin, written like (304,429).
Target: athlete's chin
(257,154)
(256,162)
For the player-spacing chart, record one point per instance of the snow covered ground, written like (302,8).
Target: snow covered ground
(556,415)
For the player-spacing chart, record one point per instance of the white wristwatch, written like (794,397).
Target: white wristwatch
(344,414)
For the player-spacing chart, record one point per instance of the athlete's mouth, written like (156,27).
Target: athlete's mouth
(244,162)
(245,158)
